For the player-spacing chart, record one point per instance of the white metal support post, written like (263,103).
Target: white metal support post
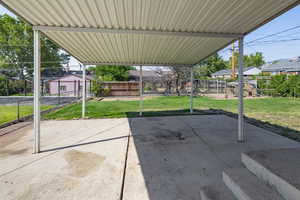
(192,91)
(141,90)
(83,91)
(217,86)
(241,137)
(37,90)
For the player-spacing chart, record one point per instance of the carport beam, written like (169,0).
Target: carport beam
(141,90)
(37,90)
(192,91)
(83,91)
(241,137)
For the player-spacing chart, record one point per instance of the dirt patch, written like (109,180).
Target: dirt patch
(8,139)
(80,164)
(8,152)
(59,185)
(160,135)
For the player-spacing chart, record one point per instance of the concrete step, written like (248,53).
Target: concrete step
(279,168)
(216,192)
(246,186)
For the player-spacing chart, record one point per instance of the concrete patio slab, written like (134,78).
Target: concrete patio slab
(167,158)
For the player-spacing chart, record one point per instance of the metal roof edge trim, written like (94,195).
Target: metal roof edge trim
(138,31)
(140,64)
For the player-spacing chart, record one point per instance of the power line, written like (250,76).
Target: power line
(274,34)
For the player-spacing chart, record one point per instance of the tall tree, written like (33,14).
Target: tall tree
(111,73)
(251,60)
(212,64)
(16,49)
(254,60)
(181,76)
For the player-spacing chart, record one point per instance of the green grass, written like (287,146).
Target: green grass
(282,111)
(9,113)
(22,94)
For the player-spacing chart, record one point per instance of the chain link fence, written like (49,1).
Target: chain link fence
(16,99)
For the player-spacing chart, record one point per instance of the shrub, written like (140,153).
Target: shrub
(281,85)
(98,90)
(3,86)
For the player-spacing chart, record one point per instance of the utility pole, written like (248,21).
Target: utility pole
(233,67)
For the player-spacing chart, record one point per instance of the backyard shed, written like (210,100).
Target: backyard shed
(69,85)
(143,32)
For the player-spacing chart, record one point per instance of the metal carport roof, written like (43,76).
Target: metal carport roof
(146,32)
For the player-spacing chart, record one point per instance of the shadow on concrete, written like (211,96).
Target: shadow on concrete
(162,113)
(173,157)
(275,128)
(164,159)
(82,144)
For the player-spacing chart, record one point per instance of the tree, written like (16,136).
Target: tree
(111,73)
(211,65)
(251,60)
(16,49)
(3,89)
(181,75)
(254,60)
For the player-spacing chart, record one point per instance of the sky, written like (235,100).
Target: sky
(274,51)
(280,50)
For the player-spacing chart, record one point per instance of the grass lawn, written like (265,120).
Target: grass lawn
(282,111)
(9,113)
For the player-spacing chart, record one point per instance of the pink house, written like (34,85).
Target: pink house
(69,85)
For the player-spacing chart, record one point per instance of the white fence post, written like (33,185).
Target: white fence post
(83,91)
(37,90)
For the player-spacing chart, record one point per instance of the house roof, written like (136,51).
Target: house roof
(144,32)
(149,73)
(74,75)
(229,71)
(283,65)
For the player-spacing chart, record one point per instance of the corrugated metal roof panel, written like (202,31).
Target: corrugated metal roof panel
(208,16)
(136,49)
(223,16)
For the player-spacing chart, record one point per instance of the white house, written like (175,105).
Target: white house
(226,73)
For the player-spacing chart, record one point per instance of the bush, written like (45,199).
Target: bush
(3,86)
(98,89)
(281,86)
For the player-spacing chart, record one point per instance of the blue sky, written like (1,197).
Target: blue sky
(277,50)
(272,51)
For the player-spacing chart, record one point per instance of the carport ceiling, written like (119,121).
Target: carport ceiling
(146,32)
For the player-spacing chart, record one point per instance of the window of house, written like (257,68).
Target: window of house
(63,88)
